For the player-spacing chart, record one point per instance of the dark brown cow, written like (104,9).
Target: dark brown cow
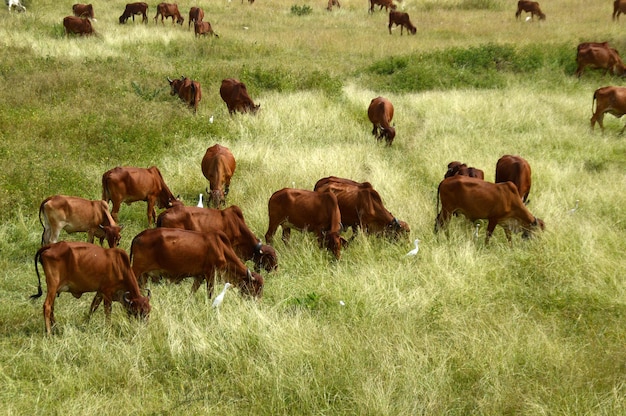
(458,168)
(387,4)
(184,253)
(218,166)
(610,100)
(619,7)
(332,3)
(78,25)
(79,268)
(203,29)
(517,170)
(235,95)
(401,19)
(477,199)
(196,14)
(129,184)
(74,215)
(362,207)
(83,10)
(135,8)
(380,113)
(317,212)
(231,222)
(187,90)
(598,56)
(531,7)
(166,10)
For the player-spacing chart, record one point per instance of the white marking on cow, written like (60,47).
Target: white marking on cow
(200,205)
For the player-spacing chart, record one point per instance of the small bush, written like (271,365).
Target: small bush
(301,10)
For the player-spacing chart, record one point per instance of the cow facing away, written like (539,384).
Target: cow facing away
(619,7)
(135,8)
(83,10)
(17,5)
(218,166)
(332,3)
(610,100)
(380,113)
(316,212)
(401,19)
(166,10)
(458,168)
(235,95)
(387,4)
(77,25)
(499,203)
(517,170)
(231,222)
(130,184)
(187,90)
(73,214)
(79,268)
(196,14)
(598,56)
(203,29)
(531,7)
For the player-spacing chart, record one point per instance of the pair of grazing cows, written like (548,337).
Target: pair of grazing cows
(80,22)
(598,55)
(395,18)
(233,92)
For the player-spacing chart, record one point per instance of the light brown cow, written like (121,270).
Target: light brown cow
(610,100)
(317,212)
(187,90)
(458,168)
(130,184)
(83,10)
(74,215)
(203,29)
(477,199)
(517,170)
(401,19)
(531,7)
(196,14)
(79,268)
(387,4)
(135,8)
(218,166)
(235,95)
(231,222)
(598,56)
(380,113)
(166,10)
(619,7)
(77,25)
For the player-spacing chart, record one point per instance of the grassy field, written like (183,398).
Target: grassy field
(538,327)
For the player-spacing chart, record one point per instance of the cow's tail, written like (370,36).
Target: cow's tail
(38,260)
(437,208)
(593,102)
(106,195)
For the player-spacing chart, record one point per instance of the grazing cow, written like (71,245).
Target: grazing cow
(74,215)
(235,95)
(598,56)
(380,113)
(79,268)
(83,10)
(610,100)
(77,25)
(477,199)
(362,207)
(517,170)
(187,90)
(458,168)
(218,166)
(387,4)
(135,8)
(15,3)
(166,10)
(619,7)
(183,253)
(317,212)
(203,29)
(332,3)
(531,7)
(401,19)
(129,184)
(231,222)
(196,14)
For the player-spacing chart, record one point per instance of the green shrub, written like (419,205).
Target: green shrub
(301,10)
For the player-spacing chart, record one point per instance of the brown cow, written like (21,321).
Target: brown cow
(458,168)
(169,10)
(235,95)
(135,8)
(598,56)
(477,199)
(187,90)
(362,207)
(183,253)
(203,29)
(196,14)
(401,19)
(83,10)
(380,113)
(387,4)
(74,215)
(77,25)
(610,100)
(531,7)
(517,170)
(218,166)
(231,222)
(317,212)
(79,268)
(619,7)
(129,184)
(332,3)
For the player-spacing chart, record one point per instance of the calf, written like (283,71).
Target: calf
(135,8)
(380,113)
(187,90)
(387,4)
(204,28)
(218,166)
(610,100)
(83,10)
(77,25)
(166,10)
(332,3)
(531,7)
(458,168)
(235,95)
(619,7)
(196,14)
(598,56)
(517,170)
(401,19)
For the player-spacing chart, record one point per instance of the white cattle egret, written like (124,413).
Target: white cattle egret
(476,230)
(573,210)
(218,300)
(416,249)
(200,205)
(211,119)
(528,19)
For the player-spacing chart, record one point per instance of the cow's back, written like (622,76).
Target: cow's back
(517,170)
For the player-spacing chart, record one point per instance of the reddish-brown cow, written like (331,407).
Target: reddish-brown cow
(196,14)
(235,95)
(74,215)
(610,100)
(187,90)
(77,25)
(83,10)
(129,184)
(79,268)
(218,166)
(166,10)
(135,8)
(387,4)
(380,113)
(619,7)
(517,170)
(477,199)
(401,19)
(458,168)
(203,29)
(332,3)
(531,7)
(598,56)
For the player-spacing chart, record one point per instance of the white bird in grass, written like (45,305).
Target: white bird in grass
(211,119)
(219,298)
(476,230)
(200,205)
(573,210)
(416,249)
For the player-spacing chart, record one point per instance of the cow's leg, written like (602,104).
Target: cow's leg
(48,311)
(599,117)
(375,131)
(490,227)
(151,212)
(271,230)
(95,303)
(108,303)
(197,281)
(286,234)
(442,220)
(579,70)
(116,209)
